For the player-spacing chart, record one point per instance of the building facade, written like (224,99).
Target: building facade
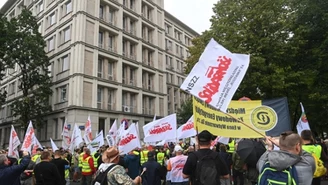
(110,59)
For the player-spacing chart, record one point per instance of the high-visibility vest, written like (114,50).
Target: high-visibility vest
(67,171)
(160,157)
(143,156)
(231,146)
(316,149)
(85,165)
(95,159)
(36,157)
(80,159)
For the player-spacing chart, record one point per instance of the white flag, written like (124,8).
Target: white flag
(111,136)
(97,142)
(216,76)
(53,145)
(224,140)
(154,117)
(137,127)
(87,131)
(187,130)
(76,138)
(303,123)
(160,129)
(66,142)
(13,143)
(28,139)
(129,140)
(36,145)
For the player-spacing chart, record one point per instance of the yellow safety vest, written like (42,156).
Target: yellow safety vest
(143,156)
(85,165)
(316,149)
(67,171)
(80,159)
(160,157)
(95,160)
(231,146)
(35,157)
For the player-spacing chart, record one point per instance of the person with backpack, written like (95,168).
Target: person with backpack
(205,167)
(222,149)
(111,173)
(316,151)
(238,168)
(290,165)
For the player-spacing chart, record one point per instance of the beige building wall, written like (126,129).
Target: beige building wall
(110,59)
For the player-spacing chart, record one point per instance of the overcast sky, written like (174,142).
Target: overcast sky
(194,13)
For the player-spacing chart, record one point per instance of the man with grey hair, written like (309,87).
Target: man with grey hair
(11,174)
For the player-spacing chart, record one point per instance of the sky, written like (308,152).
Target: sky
(194,13)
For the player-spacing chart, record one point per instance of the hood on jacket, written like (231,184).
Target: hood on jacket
(281,160)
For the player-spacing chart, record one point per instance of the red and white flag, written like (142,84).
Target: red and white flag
(129,140)
(66,142)
(216,76)
(88,131)
(28,139)
(160,129)
(187,130)
(13,143)
(36,145)
(76,138)
(111,136)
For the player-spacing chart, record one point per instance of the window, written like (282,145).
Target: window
(52,19)
(110,70)
(68,6)
(101,124)
(51,44)
(63,93)
(132,4)
(100,39)
(41,6)
(67,34)
(111,99)
(111,15)
(99,97)
(100,68)
(65,63)
(110,42)
(101,12)
(12,88)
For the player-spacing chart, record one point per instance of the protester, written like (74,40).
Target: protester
(152,174)
(11,174)
(228,161)
(88,167)
(45,172)
(26,178)
(290,153)
(75,166)
(190,169)
(175,165)
(238,168)
(310,146)
(61,165)
(132,162)
(117,174)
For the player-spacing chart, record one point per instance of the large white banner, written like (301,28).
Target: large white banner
(13,143)
(53,145)
(303,123)
(129,140)
(66,142)
(216,76)
(160,129)
(28,139)
(36,145)
(97,142)
(76,138)
(187,130)
(111,136)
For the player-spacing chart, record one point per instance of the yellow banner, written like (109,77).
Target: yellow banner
(252,113)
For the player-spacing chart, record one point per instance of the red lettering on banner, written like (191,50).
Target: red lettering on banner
(13,134)
(127,139)
(29,139)
(216,74)
(160,129)
(188,126)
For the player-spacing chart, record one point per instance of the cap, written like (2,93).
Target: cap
(178,148)
(39,149)
(150,155)
(204,136)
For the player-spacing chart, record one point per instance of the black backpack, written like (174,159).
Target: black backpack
(101,178)
(206,170)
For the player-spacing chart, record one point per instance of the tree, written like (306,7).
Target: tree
(27,51)
(185,111)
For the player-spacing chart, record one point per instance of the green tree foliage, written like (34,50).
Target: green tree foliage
(27,50)
(185,111)
(287,41)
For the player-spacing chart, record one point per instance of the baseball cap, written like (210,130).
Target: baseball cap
(178,148)
(205,136)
